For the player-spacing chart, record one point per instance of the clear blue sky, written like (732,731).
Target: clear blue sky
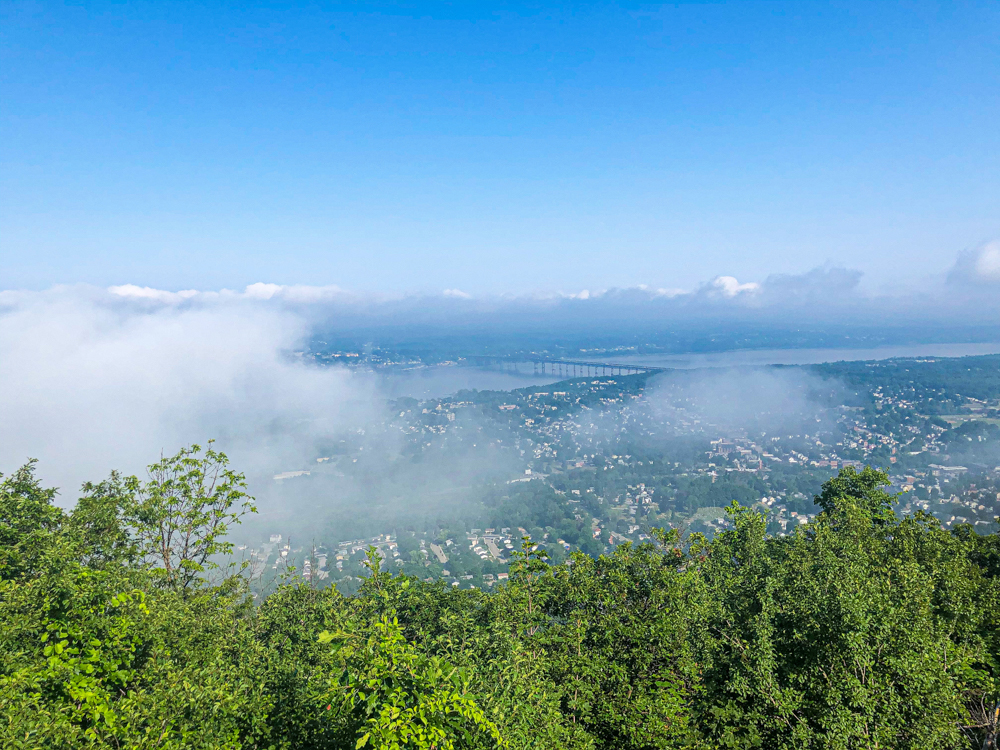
(428,146)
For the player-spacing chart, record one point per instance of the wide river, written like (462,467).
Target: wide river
(442,380)
(750,357)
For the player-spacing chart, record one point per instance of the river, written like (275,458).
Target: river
(435,381)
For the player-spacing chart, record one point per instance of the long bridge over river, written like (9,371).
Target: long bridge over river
(567,368)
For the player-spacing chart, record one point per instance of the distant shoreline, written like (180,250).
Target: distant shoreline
(433,381)
(812,356)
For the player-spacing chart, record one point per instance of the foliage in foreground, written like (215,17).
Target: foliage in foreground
(861,630)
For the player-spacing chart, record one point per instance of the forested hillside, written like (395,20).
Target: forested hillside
(122,626)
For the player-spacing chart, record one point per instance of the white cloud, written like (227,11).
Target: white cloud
(728,286)
(295,293)
(261,290)
(980,265)
(457,293)
(670,293)
(988,262)
(148,293)
(91,381)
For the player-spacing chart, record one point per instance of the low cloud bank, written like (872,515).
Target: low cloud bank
(92,380)
(826,295)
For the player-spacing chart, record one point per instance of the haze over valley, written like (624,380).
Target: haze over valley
(468,376)
(434,432)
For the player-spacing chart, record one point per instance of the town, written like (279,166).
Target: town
(588,464)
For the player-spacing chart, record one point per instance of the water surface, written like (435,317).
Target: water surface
(436,381)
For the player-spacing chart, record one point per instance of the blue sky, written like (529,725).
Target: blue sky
(502,148)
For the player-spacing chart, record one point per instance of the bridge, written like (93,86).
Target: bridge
(566,368)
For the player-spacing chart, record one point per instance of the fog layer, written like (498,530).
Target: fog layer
(90,382)
(734,402)
(94,379)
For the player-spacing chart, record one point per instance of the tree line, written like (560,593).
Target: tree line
(122,625)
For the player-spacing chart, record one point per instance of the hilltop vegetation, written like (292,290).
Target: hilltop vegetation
(122,627)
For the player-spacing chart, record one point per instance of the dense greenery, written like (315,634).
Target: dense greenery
(859,630)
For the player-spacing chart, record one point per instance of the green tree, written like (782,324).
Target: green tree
(391,696)
(100,530)
(856,631)
(29,523)
(179,517)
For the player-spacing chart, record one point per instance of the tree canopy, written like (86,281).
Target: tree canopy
(123,626)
